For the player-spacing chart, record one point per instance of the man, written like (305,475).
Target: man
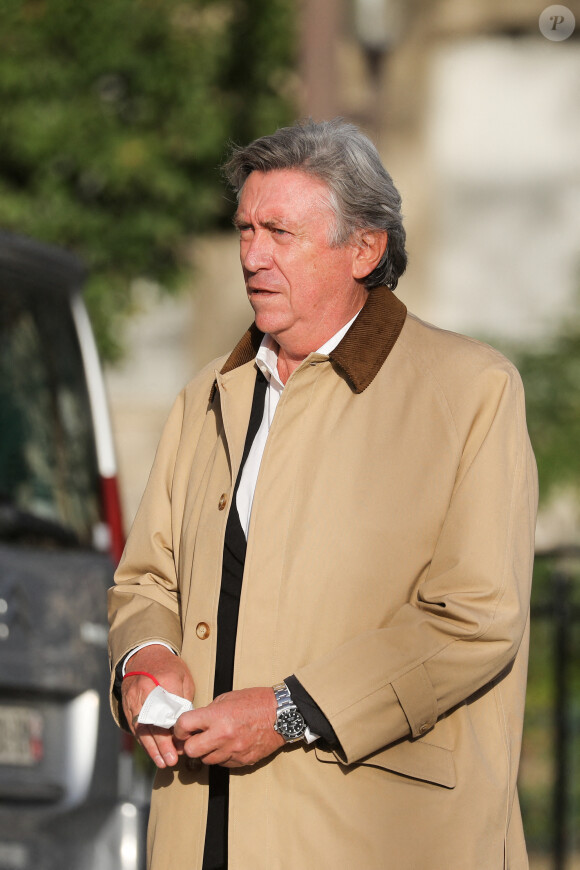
(342,509)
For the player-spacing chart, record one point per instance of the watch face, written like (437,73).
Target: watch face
(290,724)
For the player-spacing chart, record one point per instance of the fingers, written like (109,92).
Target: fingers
(159,744)
(192,722)
(218,747)
(223,756)
(173,675)
(236,730)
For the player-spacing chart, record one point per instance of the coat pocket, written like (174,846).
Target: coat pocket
(413,758)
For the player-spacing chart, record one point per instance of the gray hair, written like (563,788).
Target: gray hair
(361,192)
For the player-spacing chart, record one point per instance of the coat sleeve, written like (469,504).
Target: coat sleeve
(464,622)
(144,603)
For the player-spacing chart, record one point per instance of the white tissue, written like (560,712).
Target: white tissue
(162,708)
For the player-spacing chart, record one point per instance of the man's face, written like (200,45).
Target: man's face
(302,290)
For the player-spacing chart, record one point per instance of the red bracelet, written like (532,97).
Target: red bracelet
(141,674)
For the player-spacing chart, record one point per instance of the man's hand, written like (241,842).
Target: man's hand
(235,730)
(173,674)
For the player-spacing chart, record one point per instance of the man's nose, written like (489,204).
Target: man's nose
(256,252)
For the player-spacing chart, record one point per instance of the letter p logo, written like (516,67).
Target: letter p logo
(557,23)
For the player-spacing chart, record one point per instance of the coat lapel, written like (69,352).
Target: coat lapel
(236,389)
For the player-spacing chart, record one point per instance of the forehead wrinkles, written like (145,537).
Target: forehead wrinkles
(291,204)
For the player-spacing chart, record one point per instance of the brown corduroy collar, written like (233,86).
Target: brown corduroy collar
(363,349)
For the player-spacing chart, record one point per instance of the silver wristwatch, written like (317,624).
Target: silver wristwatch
(289,721)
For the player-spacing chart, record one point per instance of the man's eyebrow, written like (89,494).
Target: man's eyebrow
(275,222)
(272,223)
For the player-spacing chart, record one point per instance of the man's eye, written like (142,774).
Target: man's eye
(279,232)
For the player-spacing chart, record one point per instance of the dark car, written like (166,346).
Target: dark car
(67,785)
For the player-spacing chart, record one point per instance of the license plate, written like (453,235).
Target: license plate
(20,736)
(14,856)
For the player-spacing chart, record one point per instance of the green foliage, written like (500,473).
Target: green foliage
(551,377)
(115,118)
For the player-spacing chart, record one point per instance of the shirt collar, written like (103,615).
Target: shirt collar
(267,356)
(362,350)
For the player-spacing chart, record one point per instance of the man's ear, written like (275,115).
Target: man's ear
(368,249)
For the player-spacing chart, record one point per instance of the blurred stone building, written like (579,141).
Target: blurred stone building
(476,115)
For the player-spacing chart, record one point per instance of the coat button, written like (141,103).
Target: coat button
(223,501)
(202,630)
(424,728)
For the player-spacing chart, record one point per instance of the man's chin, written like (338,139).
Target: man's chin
(266,319)
(271,325)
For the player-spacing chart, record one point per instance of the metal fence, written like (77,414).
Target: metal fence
(550,768)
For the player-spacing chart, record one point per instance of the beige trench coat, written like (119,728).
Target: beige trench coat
(388,566)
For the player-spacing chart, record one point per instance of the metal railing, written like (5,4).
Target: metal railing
(555,613)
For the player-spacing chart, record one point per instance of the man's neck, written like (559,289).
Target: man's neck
(288,362)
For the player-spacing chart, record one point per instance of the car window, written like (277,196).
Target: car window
(49,485)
